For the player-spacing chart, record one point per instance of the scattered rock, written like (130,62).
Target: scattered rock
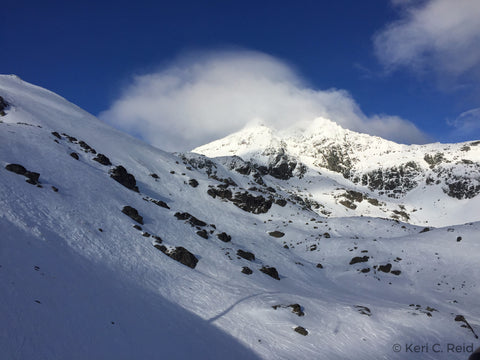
(133,214)
(158,239)
(184,256)
(270,271)
(138,227)
(301,330)
(276,234)
(102,159)
(155,176)
(425,230)
(87,147)
(297,309)
(459,238)
(121,175)
(363,310)
(281,202)
(246,255)
(57,135)
(461,318)
(319,266)
(146,234)
(193,183)
(395,272)
(191,219)
(247,270)
(16,168)
(160,203)
(74,155)
(365,270)
(385,268)
(203,233)
(54,189)
(32,177)
(326,235)
(358,259)
(224,237)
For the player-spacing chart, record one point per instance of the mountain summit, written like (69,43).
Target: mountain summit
(405,176)
(111,248)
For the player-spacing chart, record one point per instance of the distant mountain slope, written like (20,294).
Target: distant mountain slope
(416,183)
(110,248)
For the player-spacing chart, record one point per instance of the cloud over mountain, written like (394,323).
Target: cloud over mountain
(205,96)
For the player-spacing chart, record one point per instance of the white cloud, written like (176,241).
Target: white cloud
(467,123)
(439,35)
(203,97)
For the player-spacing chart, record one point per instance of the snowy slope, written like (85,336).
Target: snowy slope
(78,280)
(435,184)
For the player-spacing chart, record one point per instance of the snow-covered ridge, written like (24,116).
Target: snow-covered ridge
(110,248)
(395,174)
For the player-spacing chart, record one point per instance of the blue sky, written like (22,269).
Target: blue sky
(417,61)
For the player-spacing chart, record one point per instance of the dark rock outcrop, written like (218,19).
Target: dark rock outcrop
(246,255)
(270,271)
(179,254)
(193,183)
(246,270)
(160,203)
(191,219)
(358,259)
(121,175)
(301,330)
(3,106)
(102,159)
(133,214)
(203,233)
(224,237)
(16,168)
(385,268)
(87,148)
(276,234)
(184,256)
(32,177)
(74,155)
(281,202)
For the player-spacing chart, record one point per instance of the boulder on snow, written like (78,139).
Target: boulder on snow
(184,256)
(102,159)
(301,330)
(358,259)
(193,183)
(246,270)
(191,219)
(246,255)
(74,155)
(203,233)
(160,203)
(385,268)
(86,147)
(121,175)
(57,135)
(270,271)
(32,177)
(224,237)
(16,168)
(133,214)
(277,234)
